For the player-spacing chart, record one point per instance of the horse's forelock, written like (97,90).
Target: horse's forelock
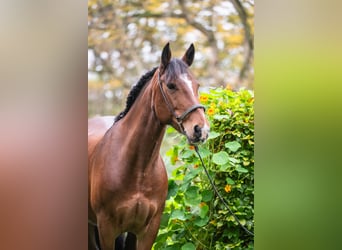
(175,68)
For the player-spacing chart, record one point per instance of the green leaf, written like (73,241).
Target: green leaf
(233,160)
(193,202)
(203,211)
(207,195)
(192,196)
(172,190)
(221,117)
(201,222)
(173,247)
(246,163)
(233,145)
(241,169)
(188,246)
(187,153)
(243,222)
(170,130)
(220,158)
(230,181)
(178,214)
(224,167)
(204,152)
(164,220)
(192,174)
(213,135)
(192,192)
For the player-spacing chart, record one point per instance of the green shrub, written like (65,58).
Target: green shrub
(194,218)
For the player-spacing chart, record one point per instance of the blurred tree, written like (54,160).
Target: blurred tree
(125,39)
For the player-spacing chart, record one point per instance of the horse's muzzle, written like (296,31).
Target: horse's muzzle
(198,135)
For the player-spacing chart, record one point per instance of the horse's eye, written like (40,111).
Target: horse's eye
(171,86)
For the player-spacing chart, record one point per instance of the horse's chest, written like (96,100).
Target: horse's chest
(135,213)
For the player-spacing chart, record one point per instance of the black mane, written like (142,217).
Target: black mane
(134,93)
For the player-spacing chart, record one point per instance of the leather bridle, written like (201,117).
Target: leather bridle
(180,118)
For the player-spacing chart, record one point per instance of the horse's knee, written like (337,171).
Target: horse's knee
(106,235)
(146,241)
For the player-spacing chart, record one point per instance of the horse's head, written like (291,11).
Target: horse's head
(177,96)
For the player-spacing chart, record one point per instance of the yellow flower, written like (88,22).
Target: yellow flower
(202,204)
(213,222)
(203,98)
(228,188)
(174,159)
(229,87)
(211,111)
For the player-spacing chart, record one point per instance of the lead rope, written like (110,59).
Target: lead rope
(218,194)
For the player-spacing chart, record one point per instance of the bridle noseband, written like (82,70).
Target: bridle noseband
(180,118)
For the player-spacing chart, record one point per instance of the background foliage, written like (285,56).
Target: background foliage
(194,218)
(125,39)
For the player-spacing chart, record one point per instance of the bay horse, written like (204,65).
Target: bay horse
(127,178)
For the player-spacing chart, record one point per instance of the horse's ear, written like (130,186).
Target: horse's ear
(165,58)
(189,55)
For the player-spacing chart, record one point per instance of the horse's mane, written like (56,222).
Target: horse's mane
(134,93)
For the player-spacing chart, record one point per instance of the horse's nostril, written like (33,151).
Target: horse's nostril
(198,131)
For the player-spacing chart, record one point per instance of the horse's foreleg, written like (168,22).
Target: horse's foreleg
(145,241)
(107,234)
(91,238)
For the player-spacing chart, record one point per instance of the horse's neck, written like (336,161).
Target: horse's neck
(143,133)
